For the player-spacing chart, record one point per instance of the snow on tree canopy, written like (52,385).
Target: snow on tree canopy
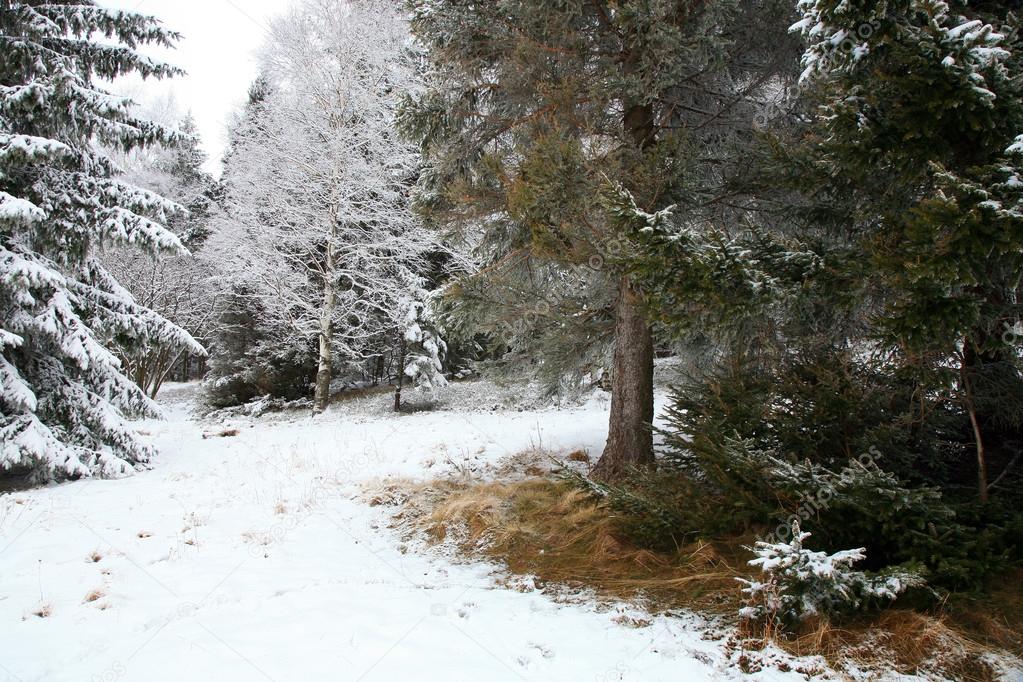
(800,583)
(318,224)
(840,34)
(63,394)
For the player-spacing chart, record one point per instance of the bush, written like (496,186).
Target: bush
(732,487)
(800,583)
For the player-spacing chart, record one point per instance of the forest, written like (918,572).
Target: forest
(643,339)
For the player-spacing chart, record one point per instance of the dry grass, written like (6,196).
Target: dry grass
(995,619)
(562,536)
(93,595)
(905,641)
(579,456)
(565,538)
(43,611)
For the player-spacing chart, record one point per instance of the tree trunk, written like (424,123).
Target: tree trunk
(630,426)
(378,371)
(322,395)
(630,434)
(323,372)
(401,375)
(971,361)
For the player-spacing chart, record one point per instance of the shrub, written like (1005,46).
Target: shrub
(801,583)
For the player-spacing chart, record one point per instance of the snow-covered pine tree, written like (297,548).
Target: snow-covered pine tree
(421,349)
(63,391)
(247,357)
(180,287)
(799,583)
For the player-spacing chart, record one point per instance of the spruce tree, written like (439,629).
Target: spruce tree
(179,287)
(921,107)
(247,359)
(533,109)
(869,302)
(421,349)
(63,391)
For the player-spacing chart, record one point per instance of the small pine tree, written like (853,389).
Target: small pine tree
(800,583)
(63,390)
(421,351)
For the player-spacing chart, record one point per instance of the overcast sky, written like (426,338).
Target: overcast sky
(217,51)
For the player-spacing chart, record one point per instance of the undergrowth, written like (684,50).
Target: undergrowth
(568,539)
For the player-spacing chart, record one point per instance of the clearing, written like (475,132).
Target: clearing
(251,550)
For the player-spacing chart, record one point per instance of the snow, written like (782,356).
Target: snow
(1016,147)
(258,557)
(15,209)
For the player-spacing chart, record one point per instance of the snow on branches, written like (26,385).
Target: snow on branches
(319,229)
(799,583)
(63,389)
(840,35)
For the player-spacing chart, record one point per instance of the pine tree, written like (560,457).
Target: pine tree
(421,349)
(921,105)
(64,392)
(532,108)
(868,301)
(247,359)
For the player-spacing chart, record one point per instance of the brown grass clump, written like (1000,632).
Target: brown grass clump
(564,537)
(996,618)
(579,456)
(44,611)
(93,595)
(905,641)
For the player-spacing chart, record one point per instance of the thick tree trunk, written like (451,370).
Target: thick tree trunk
(630,426)
(630,435)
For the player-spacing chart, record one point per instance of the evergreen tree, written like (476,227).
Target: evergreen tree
(421,349)
(921,104)
(198,190)
(64,391)
(869,301)
(532,108)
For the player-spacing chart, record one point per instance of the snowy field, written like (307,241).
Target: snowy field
(257,557)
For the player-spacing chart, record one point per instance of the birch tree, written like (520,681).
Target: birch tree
(319,202)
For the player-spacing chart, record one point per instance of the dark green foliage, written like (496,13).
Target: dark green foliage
(533,107)
(62,391)
(866,303)
(246,365)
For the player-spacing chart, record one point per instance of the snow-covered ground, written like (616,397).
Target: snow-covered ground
(257,557)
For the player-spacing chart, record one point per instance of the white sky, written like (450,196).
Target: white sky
(217,50)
